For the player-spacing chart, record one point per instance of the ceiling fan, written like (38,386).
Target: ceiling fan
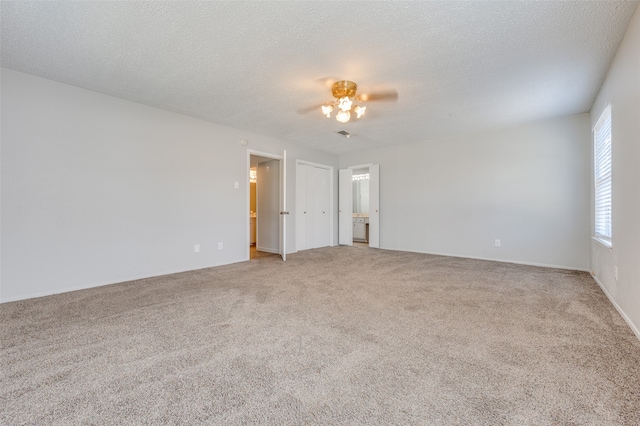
(346,96)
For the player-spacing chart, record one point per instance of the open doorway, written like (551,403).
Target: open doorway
(359,205)
(360,192)
(265,199)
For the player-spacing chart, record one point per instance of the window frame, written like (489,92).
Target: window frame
(603,177)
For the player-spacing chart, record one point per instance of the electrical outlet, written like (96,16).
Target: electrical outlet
(497,243)
(219,246)
(615,272)
(196,248)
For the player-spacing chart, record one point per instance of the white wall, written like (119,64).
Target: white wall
(621,89)
(527,186)
(97,190)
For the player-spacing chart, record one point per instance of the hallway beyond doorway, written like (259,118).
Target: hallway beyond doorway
(255,254)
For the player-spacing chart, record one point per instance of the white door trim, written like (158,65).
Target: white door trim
(374,206)
(361,166)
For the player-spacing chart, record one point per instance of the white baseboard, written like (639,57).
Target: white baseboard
(110,282)
(618,308)
(517,262)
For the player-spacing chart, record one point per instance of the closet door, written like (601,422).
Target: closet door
(322,203)
(313,204)
(311,209)
(301,206)
(345,207)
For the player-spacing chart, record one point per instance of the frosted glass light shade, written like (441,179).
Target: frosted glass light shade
(343,116)
(345,104)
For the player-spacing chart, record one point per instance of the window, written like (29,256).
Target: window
(602,174)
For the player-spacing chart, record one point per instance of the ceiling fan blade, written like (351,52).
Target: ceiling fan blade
(307,110)
(327,81)
(389,96)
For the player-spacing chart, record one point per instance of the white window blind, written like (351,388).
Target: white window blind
(602,174)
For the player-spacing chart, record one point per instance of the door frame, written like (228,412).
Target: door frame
(331,202)
(251,152)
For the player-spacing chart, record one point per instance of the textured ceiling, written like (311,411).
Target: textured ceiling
(459,67)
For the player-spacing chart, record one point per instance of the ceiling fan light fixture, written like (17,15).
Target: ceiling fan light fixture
(345,95)
(343,116)
(326,110)
(345,104)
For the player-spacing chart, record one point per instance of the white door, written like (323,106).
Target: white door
(301,206)
(313,206)
(311,209)
(345,207)
(283,213)
(322,224)
(374,206)
(267,206)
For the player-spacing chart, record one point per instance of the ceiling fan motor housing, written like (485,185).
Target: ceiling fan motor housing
(343,88)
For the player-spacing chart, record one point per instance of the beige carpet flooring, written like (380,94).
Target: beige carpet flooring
(345,335)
